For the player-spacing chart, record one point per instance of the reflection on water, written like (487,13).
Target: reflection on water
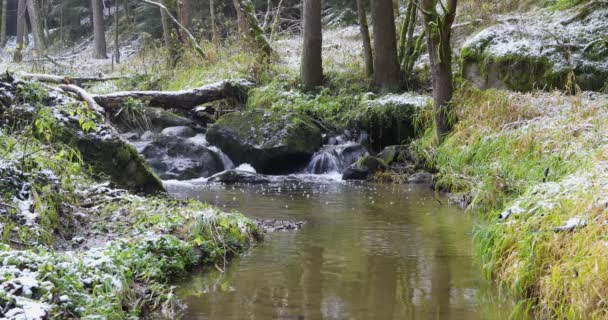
(366,252)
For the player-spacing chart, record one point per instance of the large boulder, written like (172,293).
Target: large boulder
(541,50)
(101,146)
(389,119)
(271,142)
(174,157)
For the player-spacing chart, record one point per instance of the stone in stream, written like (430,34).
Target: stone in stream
(420,178)
(543,49)
(364,168)
(179,131)
(174,157)
(272,142)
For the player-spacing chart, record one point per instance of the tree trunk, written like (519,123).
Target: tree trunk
(312,63)
(116,42)
(127,15)
(166,28)
(32,9)
(386,67)
(250,28)
(185,99)
(3,24)
(99,30)
(367,44)
(214,36)
(21,9)
(438,34)
(185,13)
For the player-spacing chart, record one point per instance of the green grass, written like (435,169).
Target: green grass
(499,152)
(143,241)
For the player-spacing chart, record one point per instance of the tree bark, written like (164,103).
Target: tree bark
(116,42)
(51,78)
(85,96)
(438,34)
(99,32)
(250,28)
(3,24)
(21,9)
(386,67)
(185,13)
(214,36)
(185,99)
(367,43)
(312,61)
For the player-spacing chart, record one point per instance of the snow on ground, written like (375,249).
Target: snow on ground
(342,47)
(560,36)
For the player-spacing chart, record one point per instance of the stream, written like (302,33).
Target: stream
(367,251)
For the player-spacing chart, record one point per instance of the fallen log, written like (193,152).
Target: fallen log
(50,78)
(185,99)
(85,96)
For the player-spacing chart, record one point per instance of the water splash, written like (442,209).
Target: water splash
(335,158)
(228,164)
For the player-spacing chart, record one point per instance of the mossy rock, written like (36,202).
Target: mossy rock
(118,160)
(272,142)
(388,120)
(102,148)
(504,57)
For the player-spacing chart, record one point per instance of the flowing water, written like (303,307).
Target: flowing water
(367,251)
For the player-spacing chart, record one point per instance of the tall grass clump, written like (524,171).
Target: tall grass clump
(534,166)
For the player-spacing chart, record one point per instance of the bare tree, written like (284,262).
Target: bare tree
(386,67)
(3,24)
(99,32)
(312,63)
(21,10)
(33,12)
(367,44)
(438,34)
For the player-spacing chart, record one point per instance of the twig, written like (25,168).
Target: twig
(198,49)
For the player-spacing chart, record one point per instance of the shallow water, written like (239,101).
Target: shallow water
(367,252)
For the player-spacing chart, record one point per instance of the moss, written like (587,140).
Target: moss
(388,124)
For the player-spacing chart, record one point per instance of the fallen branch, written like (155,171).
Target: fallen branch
(185,99)
(198,48)
(85,96)
(50,78)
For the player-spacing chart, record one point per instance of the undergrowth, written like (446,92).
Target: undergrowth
(535,166)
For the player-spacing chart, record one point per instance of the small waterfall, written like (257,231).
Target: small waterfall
(228,164)
(335,158)
(325,161)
